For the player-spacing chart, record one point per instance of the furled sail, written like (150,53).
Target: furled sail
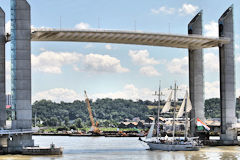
(181,110)
(150,132)
(189,104)
(167,106)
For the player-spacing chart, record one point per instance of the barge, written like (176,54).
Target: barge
(52,150)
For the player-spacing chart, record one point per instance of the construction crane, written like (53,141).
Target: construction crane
(94,128)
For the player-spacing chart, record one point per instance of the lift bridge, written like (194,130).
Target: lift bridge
(21,36)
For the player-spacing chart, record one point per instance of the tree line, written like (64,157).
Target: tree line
(108,112)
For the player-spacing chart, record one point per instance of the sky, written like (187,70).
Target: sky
(61,71)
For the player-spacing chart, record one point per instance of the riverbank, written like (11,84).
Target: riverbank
(104,133)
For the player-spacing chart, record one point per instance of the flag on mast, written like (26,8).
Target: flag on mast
(200,124)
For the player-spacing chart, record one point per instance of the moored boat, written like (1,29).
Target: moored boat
(52,150)
(160,143)
(169,146)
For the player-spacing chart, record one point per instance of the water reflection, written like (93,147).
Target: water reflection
(111,148)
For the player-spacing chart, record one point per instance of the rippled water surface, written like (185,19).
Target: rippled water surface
(102,148)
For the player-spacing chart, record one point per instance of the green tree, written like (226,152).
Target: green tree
(73,127)
(51,122)
(66,121)
(78,123)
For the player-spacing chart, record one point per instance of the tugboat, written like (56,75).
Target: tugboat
(160,143)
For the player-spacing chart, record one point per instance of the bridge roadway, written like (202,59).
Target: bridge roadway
(127,37)
(17,131)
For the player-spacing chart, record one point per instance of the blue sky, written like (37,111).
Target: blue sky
(63,70)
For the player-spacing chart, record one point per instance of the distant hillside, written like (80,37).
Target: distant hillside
(212,108)
(103,109)
(107,109)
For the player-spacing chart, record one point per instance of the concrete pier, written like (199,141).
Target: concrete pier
(3,139)
(17,142)
(196,77)
(227,79)
(21,74)
(21,64)
(2,71)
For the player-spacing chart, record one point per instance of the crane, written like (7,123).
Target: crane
(94,128)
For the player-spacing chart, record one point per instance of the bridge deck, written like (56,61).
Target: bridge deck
(126,37)
(18,131)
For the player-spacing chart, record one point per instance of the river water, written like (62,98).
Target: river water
(116,148)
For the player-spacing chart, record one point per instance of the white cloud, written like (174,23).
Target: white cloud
(178,65)
(149,71)
(82,25)
(128,92)
(141,57)
(181,65)
(108,46)
(238,92)
(52,62)
(89,45)
(184,10)
(211,29)
(212,90)
(237,46)
(103,63)
(8,27)
(212,50)
(164,10)
(42,49)
(238,59)
(188,9)
(58,94)
(42,27)
(211,62)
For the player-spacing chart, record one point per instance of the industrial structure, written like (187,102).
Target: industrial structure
(94,126)
(20,133)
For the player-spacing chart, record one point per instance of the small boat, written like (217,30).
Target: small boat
(174,144)
(52,150)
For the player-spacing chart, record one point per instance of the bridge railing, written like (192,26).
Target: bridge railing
(120,31)
(17,131)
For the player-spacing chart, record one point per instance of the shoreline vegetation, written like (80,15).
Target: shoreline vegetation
(60,118)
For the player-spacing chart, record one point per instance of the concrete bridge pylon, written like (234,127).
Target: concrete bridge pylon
(2,70)
(21,74)
(227,79)
(3,116)
(196,75)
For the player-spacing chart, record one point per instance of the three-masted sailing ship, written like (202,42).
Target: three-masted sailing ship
(165,144)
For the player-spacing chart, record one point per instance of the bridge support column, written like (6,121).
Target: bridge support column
(196,78)
(227,79)
(2,70)
(21,73)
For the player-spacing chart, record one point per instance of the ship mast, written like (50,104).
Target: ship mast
(174,112)
(159,94)
(186,117)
